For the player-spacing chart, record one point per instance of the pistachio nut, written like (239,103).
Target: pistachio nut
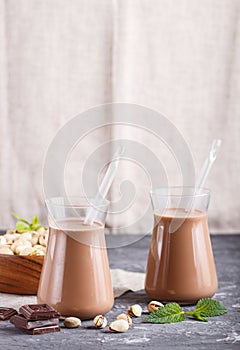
(20,242)
(125,317)
(10,232)
(34,239)
(3,240)
(27,236)
(154,305)
(43,241)
(20,248)
(100,321)
(41,231)
(72,322)
(40,247)
(23,243)
(119,326)
(5,249)
(27,251)
(135,310)
(11,237)
(37,252)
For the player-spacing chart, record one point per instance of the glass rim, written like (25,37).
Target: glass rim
(89,201)
(203,191)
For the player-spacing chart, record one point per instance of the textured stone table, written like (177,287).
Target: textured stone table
(221,332)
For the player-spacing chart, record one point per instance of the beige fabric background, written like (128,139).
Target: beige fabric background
(58,58)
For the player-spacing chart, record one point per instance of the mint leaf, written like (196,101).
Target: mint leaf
(22,227)
(170,313)
(35,221)
(209,307)
(20,218)
(35,227)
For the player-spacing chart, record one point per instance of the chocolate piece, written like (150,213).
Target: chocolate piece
(6,313)
(43,330)
(38,312)
(20,321)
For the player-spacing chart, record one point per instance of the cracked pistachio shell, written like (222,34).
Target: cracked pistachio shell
(100,321)
(154,305)
(135,310)
(125,317)
(119,326)
(4,249)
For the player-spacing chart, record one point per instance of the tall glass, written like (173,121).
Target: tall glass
(180,264)
(75,278)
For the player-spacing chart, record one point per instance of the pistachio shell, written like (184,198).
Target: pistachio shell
(135,310)
(10,232)
(20,248)
(4,249)
(3,240)
(40,247)
(72,322)
(38,252)
(100,321)
(27,236)
(119,326)
(154,305)
(20,242)
(125,317)
(26,251)
(34,239)
(11,237)
(41,231)
(42,241)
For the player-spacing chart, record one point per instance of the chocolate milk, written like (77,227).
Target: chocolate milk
(76,279)
(180,264)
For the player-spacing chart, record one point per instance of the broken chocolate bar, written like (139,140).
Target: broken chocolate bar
(43,330)
(20,321)
(38,312)
(6,313)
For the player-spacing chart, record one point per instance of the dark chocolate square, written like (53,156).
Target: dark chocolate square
(6,313)
(38,312)
(20,321)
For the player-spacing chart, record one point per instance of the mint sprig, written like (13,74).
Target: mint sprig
(22,225)
(169,313)
(172,312)
(207,308)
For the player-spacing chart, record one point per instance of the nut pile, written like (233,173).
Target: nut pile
(122,322)
(26,243)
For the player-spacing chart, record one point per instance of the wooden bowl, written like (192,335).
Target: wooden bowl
(20,274)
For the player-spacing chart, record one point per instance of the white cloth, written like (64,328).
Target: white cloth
(58,58)
(122,281)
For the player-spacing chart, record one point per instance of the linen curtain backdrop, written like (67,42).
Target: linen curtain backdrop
(59,58)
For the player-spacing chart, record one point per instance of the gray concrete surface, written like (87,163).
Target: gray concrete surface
(221,332)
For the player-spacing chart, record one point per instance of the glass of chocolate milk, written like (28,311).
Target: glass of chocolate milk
(180,264)
(75,277)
